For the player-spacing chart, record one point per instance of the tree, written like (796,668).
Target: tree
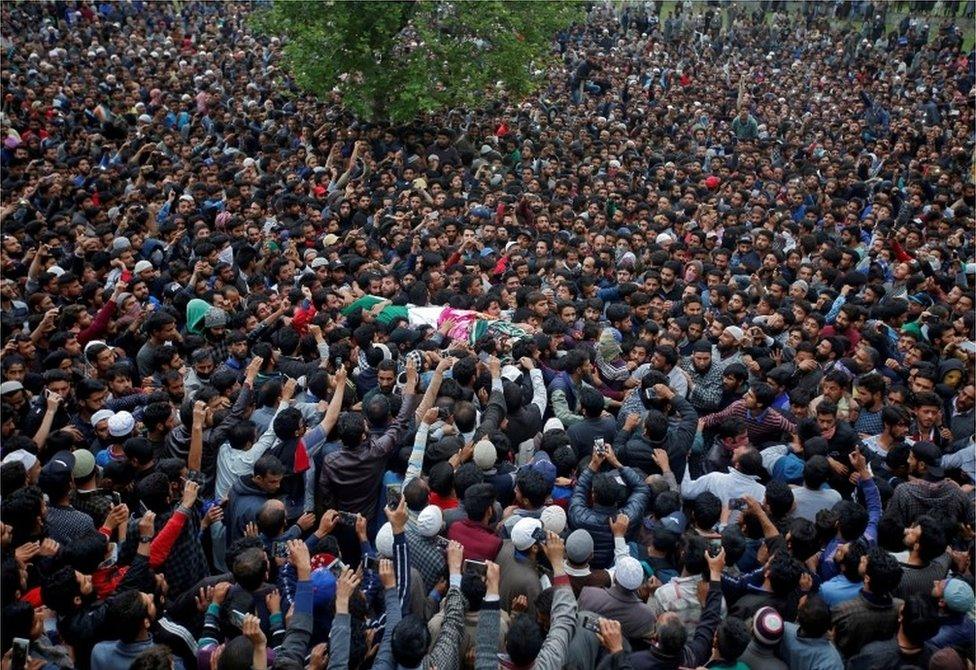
(392,61)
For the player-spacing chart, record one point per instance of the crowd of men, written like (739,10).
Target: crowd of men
(669,365)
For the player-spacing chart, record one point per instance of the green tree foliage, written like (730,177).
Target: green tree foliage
(392,61)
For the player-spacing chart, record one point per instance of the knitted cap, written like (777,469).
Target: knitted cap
(767,626)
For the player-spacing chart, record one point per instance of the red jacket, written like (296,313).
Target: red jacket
(479,543)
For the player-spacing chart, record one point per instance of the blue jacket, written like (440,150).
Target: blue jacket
(118,655)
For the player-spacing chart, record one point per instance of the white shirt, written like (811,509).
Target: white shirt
(725,486)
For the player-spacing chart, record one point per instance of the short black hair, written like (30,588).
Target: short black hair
(706,509)
(816,472)
(533,486)
(410,641)
(524,640)
(883,570)
(814,617)
(478,500)
(732,638)
(127,612)
(250,568)
(268,465)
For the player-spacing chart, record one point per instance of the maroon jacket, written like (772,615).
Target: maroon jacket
(479,543)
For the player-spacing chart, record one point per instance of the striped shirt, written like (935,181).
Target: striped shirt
(766,426)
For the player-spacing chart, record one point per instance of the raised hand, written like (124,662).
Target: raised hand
(190,491)
(610,636)
(147,525)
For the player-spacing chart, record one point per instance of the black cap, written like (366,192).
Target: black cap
(405,336)
(929,454)
(702,347)
(56,474)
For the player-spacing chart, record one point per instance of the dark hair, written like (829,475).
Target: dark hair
(732,638)
(784,573)
(919,619)
(606,490)
(779,498)
(706,509)
(750,463)
(416,494)
(154,491)
(734,543)
(59,590)
(478,500)
(932,540)
(804,540)
(656,425)
(851,564)
(350,428)
(85,552)
(410,641)
(591,402)
(524,640)
(533,486)
(250,568)
(18,620)
(157,657)
(852,519)
(473,588)
(441,478)
(467,475)
(287,423)
(813,617)
(693,548)
(671,636)
(268,465)
(816,472)
(241,434)
(139,449)
(765,394)
(13,476)
(127,612)
(883,570)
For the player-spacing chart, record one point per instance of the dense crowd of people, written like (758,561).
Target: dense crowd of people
(669,365)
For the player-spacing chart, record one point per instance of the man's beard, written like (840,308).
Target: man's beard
(700,371)
(725,349)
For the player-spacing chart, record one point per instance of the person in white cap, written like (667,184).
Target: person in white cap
(426,553)
(518,561)
(32,466)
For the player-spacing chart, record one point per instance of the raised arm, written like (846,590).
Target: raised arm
(433,388)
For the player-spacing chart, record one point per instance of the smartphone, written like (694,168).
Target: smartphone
(279,550)
(125,277)
(336,567)
(443,413)
(599,445)
(539,535)
(116,498)
(142,507)
(393,496)
(237,618)
(348,519)
(371,563)
(737,504)
(591,624)
(18,660)
(441,542)
(479,568)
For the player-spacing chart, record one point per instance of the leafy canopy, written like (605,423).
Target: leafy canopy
(393,61)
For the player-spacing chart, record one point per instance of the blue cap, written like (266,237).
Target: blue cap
(923,299)
(789,469)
